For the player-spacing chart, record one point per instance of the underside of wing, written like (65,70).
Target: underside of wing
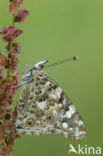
(44,108)
(70,125)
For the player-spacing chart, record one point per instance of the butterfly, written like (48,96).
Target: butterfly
(43,107)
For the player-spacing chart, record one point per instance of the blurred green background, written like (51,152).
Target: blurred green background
(56,30)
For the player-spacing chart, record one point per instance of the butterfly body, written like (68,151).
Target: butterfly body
(44,108)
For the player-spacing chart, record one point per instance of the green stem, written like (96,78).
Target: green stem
(13,23)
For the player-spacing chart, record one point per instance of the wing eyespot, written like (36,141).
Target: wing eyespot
(30,122)
(38,123)
(44,119)
(49,117)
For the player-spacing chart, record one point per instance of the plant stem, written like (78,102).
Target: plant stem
(9,56)
(9,59)
(13,23)
(10,52)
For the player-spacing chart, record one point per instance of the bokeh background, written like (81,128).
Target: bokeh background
(56,30)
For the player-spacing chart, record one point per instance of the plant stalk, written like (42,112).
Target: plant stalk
(9,59)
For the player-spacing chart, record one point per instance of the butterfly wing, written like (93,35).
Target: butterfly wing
(44,108)
(70,123)
(38,107)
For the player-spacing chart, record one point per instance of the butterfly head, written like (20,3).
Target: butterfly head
(40,65)
(31,72)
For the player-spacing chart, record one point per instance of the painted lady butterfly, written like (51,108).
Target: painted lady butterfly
(44,108)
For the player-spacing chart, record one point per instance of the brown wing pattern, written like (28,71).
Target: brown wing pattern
(44,108)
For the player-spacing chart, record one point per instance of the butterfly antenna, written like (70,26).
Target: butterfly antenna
(63,61)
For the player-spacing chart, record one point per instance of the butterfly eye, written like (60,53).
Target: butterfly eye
(30,122)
